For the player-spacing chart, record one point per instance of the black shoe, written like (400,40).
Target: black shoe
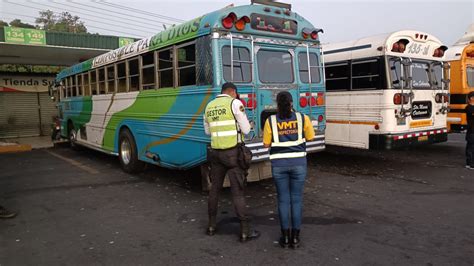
(245,233)
(253,234)
(5,214)
(211,228)
(295,238)
(285,238)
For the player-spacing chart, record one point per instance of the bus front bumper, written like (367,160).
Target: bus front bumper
(260,153)
(401,140)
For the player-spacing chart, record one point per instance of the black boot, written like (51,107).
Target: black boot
(245,232)
(295,238)
(285,238)
(211,228)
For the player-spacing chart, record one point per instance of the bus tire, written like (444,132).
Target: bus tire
(72,136)
(128,154)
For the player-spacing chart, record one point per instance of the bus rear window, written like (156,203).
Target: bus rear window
(470,76)
(242,64)
(275,66)
(314,67)
(421,79)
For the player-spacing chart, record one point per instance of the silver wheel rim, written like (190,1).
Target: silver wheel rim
(72,136)
(125,151)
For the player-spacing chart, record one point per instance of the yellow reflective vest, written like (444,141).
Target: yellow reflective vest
(222,123)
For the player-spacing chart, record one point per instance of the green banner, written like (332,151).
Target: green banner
(25,36)
(125,41)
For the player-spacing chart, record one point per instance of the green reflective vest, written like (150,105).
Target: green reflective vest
(222,124)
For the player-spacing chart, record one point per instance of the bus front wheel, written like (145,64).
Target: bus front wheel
(128,154)
(72,136)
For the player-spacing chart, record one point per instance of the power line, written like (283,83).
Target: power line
(30,22)
(127,18)
(86,26)
(114,12)
(118,21)
(103,2)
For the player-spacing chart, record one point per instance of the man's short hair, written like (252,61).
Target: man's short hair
(470,95)
(228,86)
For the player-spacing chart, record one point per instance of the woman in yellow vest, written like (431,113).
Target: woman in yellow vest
(286,134)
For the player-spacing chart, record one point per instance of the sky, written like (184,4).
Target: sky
(341,20)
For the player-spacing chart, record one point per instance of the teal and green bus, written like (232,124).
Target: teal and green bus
(144,102)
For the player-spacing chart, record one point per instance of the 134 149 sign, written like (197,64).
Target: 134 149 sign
(421,110)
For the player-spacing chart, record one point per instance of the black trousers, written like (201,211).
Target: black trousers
(225,162)
(470,149)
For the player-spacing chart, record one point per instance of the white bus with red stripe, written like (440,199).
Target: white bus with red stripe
(386,91)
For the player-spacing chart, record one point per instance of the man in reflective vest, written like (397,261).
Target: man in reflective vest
(226,122)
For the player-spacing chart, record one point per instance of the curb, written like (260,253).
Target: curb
(14,148)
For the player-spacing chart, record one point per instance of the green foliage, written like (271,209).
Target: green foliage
(65,22)
(19,24)
(3,24)
(30,69)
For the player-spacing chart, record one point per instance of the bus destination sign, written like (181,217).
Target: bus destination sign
(273,24)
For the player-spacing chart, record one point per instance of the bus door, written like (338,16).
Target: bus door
(274,72)
(238,67)
(310,71)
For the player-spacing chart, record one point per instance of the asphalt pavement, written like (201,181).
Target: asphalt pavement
(407,207)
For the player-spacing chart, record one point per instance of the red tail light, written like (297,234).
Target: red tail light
(441,97)
(313,101)
(252,104)
(305,35)
(303,102)
(314,35)
(398,98)
(438,52)
(240,24)
(228,21)
(320,118)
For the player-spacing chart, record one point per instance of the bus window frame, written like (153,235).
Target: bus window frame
(249,63)
(172,68)
(380,69)
(349,71)
(176,63)
(467,77)
(290,51)
(129,76)
(318,67)
(108,79)
(79,84)
(150,86)
(94,86)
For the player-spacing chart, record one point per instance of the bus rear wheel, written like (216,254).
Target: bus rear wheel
(72,137)
(128,154)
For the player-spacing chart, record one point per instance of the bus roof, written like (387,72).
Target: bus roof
(381,44)
(457,51)
(195,28)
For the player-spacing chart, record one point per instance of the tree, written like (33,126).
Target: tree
(65,22)
(3,24)
(19,24)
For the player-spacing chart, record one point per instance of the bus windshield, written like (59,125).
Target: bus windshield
(275,66)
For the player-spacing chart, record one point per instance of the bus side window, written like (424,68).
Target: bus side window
(470,76)
(337,76)
(148,71)
(73,86)
(121,77)
(133,75)
(303,66)
(85,81)
(366,74)
(93,75)
(111,79)
(165,69)
(79,85)
(66,87)
(204,69)
(186,65)
(101,80)
(395,72)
